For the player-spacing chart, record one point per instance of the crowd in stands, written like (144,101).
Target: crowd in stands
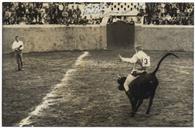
(169,13)
(43,13)
(61,13)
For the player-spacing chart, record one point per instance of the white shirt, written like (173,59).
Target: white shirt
(16,45)
(140,55)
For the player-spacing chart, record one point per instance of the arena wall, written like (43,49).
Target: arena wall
(41,38)
(171,38)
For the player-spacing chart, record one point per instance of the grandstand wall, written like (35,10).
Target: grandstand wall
(159,37)
(42,38)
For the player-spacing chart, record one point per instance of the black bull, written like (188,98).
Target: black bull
(142,87)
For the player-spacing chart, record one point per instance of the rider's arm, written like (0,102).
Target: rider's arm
(133,59)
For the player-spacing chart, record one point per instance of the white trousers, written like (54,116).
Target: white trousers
(129,79)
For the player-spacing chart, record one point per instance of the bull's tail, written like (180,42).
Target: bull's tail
(168,54)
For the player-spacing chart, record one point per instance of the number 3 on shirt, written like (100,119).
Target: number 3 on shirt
(146,62)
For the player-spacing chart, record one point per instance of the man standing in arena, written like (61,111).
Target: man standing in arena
(141,61)
(17,47)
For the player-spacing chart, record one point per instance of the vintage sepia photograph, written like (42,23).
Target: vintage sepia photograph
(97,64)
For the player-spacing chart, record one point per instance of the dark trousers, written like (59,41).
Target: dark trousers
(19,61)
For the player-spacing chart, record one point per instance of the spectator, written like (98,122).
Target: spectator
(78,13)
(65,16)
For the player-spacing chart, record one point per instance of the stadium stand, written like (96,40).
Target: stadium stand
(169,13)
(93,13)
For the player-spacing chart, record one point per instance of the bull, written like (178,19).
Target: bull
(143,87)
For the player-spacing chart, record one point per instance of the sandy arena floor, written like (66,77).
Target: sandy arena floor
(58,92)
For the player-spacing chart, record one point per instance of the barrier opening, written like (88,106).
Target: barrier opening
(120,35)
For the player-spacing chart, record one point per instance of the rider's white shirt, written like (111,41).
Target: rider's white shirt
(140,55)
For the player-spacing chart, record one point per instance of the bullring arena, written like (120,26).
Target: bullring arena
(70,75)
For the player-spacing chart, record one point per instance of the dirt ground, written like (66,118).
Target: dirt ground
(90,97)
